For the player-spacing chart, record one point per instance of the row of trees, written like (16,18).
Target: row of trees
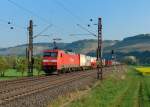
(131,60)
(18,63)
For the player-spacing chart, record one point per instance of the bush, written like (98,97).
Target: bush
(21,64)
(3,66)
(38,64)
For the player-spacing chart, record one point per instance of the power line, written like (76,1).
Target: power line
(32,13)
(85,29)
(28,11)
(68,11)
(4,21)
(78,19)
(11,24)
(79,34)
(45,29)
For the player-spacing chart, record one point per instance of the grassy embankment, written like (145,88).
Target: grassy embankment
(128,90)
(13,74)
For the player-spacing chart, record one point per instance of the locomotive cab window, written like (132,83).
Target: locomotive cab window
(50,54)
(61,55)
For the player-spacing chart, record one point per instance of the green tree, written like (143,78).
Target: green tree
(11,61)
(131,60)
(3,66)
(21,65)
(38,64)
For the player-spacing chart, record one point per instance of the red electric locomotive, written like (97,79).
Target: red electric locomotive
(57,60)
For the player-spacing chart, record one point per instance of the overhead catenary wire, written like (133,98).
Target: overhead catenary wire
(42,18)
(45,29)
(32,13)
(28,11)
(78,34)
(12,24)
(77,18)
(4,21)
(85,29)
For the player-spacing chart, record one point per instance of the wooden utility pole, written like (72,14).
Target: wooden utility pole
(99,51)
(30,49)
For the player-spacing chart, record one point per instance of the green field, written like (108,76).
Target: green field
(13,74)
(130,89)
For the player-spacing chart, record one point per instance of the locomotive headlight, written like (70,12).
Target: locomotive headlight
(53,61)
(49,60)
(45,60)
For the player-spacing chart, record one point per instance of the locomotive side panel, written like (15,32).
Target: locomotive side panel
(67,60)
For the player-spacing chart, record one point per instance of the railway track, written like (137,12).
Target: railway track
(29,83)
(19,80)
(7,86)
(37,86)
(6,83)
(11,90)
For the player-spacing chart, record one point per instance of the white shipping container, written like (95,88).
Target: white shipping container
(93,59)
(82,60)
(88,61)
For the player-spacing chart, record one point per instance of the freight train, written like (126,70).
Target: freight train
(60,61)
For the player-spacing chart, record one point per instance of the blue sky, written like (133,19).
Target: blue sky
(121,18)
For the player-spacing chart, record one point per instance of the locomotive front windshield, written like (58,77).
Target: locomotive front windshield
(50,54)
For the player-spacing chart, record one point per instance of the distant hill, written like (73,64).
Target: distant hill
(21,49)
(81,46)
(139,43)
(135,43)
(86,46)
